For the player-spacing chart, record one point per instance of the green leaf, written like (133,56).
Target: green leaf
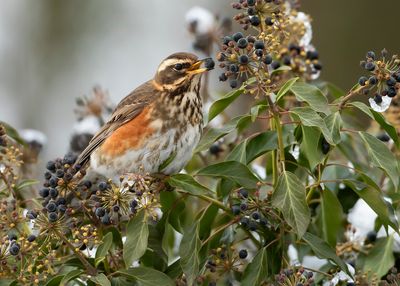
(13,133)
(101,280)
(380,259)
(309,146)
(26,183)
(285,88)
(137,234)
(312,95)
(103,248)
(381,157)
(232,170)
(261,144)
(281,69)
(290,197)
(256,271)
(323,250)
(309,117)
(188,184)
(238,153)
(380,119)
(70,276)
(332,217)
(255,111)
(213,134)
(147,276)
(189,252)
(55,281)
(374,199)
(334,123)
(219,105)
(166,163)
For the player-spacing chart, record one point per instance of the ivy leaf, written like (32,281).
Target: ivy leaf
(147,276)
(380,259)
(323,250)
(103,248)
(257,270)
(70,276)
(261,144)
(334,123)
(188,184)
(189,253)
(101,280)
(309,146)
(55,281)
(285,88)
(219,105)
(232,170)
(213,134)
(312,95)
(238,153)
(309,117)
(374,199)
(381,157)
(332,217)
(255,111)
(380,119)
(290,197)
(137,234)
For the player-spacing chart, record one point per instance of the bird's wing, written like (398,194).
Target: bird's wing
(130,107)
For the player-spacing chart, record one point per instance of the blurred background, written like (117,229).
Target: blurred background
(53,51)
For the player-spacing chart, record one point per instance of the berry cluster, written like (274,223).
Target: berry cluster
(255,214)
(10,216)
(113,203)
(297,277)
(223,260)
(383,81)
(264,15)
(243,57)
(85,237)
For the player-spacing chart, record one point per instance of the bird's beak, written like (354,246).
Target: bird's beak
(196,69)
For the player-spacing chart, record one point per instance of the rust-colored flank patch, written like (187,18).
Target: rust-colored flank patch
(129,136)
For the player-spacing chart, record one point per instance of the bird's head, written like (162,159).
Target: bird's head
(179,70)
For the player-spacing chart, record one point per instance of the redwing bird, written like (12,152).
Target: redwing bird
(156,127)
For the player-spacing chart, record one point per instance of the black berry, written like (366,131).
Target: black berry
(52,216)
(242,253)
(242,43)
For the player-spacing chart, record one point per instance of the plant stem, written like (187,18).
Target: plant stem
(89,268)
(351,93)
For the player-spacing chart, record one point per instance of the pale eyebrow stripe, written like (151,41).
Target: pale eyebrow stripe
(170,62)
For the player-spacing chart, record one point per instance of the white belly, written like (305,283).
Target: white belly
(149,158)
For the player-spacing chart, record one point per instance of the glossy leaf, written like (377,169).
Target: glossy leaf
(261,144)
(238,153)
(380,119)
(70,276)
(221,104)
(255,111)
(332,217)
(289,196)
(334,123)
(323,250)
(214,134)
(285,88)
(381,157)
(309,117)
(103,248)
(309,146)
(147,276)
(374,199)
(101,280)
(257,270)
(232,170)
(188,184)
(312,95)
(189,252)
(136,239)
(380,259)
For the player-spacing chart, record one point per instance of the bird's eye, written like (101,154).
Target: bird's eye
(178,67)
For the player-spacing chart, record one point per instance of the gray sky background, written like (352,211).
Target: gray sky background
(52,51)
